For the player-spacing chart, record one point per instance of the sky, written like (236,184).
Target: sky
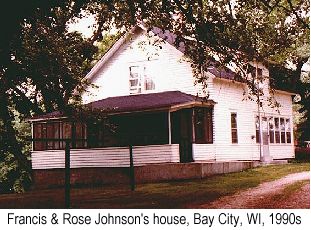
(83,25)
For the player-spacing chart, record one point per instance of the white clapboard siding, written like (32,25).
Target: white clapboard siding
(232,152)
(168,69)
(106,157)
(282,151)
(229,98)
(203,152)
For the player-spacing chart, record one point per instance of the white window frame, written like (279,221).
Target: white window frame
(234,128)
(141,78)
(288,129)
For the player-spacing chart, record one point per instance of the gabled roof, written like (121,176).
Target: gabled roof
(164,101)
(217,72)
(116,46)
(222,72)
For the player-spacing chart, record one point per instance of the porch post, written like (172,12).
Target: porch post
(132,172)
(32,135)
(169,128)
(67,174)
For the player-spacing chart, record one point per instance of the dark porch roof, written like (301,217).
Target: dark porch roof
(142,102)
(173,100)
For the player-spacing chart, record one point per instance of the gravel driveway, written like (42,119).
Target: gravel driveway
(263,196)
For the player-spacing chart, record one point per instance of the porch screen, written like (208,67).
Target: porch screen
(51,132)
(203,118)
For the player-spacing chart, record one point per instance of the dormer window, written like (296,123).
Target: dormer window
(140,80)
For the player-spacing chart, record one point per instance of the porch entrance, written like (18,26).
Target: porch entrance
(185,145)
(182,133)
(193,125)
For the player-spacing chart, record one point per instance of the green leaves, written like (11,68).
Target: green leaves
(13,178)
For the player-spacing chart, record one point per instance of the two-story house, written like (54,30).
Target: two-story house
(154,104)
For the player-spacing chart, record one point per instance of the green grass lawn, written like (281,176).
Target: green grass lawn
(290,189)
(177,194)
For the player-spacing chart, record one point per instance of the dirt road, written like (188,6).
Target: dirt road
(269,195)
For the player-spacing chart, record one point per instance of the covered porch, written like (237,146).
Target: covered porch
(166,127)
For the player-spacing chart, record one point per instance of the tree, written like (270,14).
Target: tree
(105,44)
(41,63)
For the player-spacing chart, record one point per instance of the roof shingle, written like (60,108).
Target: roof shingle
(136,103)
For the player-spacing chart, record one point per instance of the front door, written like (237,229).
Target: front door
(265,140)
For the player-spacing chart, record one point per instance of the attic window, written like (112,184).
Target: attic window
(135,80)
(140,80)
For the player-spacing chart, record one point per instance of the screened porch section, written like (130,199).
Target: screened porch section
(160,137)
(121,131)
(163,126)
(53,131)
(192,125)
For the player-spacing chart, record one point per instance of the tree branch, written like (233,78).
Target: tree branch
(304,24)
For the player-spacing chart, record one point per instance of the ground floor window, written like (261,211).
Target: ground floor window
(234,128)
(51,132)
(257,125)
(271,130)
(282,125)
(279,129)
(288,131)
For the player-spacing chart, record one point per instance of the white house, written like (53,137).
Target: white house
(158,108)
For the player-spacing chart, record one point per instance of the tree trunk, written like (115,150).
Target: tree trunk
(9,142)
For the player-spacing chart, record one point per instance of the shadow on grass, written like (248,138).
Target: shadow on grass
(174,194)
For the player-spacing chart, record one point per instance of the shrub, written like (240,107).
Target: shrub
(302,154)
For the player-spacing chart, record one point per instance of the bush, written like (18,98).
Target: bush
(12,177)
(302,154)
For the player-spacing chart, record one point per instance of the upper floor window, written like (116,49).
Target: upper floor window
(135,80)
(140,80)
(234,128)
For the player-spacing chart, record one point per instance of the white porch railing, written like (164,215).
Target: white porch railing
(106,157)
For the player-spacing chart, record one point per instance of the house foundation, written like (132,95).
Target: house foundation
(52,178)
